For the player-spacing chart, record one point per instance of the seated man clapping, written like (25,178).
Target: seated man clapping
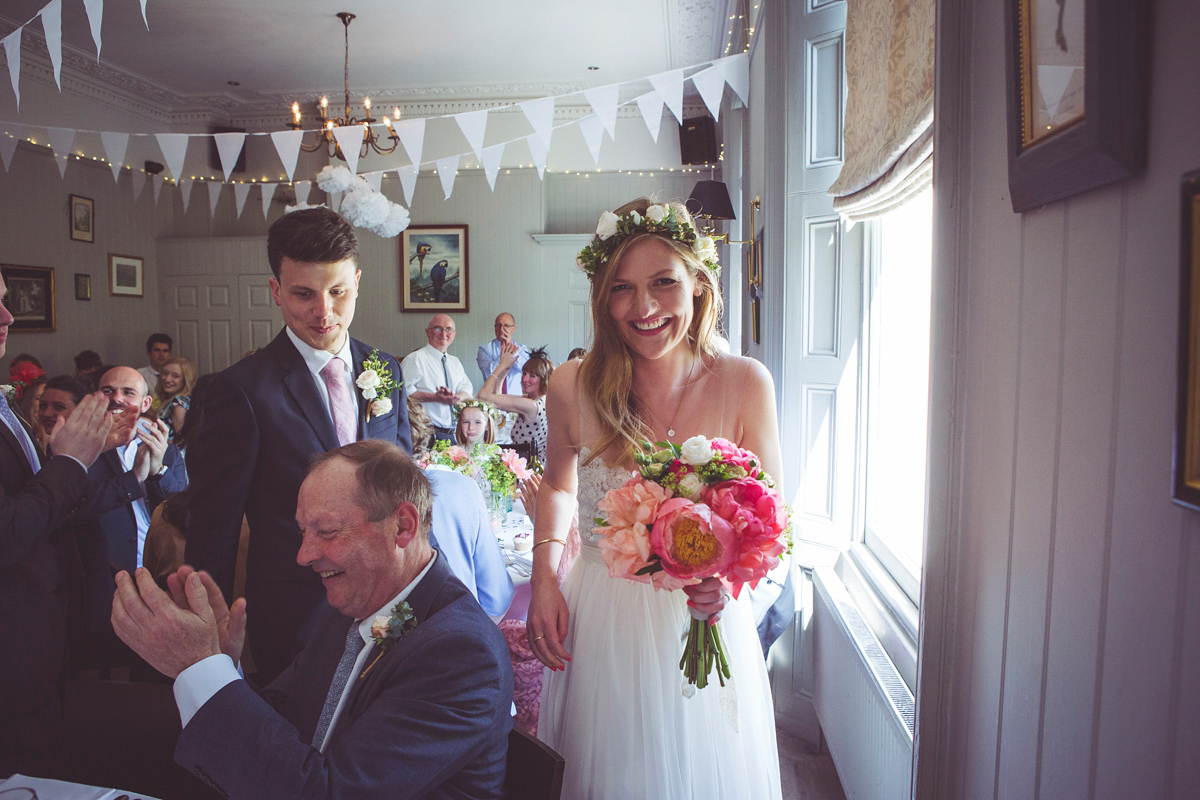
(404,688)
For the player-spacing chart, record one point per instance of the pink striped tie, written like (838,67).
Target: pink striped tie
(341,404)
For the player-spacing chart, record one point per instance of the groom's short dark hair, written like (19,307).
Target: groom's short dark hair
(311,235)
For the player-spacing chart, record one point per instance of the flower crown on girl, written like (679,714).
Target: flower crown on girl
(473,402)
(660,218)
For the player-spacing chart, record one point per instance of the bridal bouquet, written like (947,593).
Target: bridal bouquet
(502,468)
(701,509)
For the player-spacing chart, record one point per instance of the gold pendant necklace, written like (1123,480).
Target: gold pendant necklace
(678,405)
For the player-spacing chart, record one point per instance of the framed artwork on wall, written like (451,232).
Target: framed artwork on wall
(30,297)
(125,275)
(83,219)
(1077,89)
(434,269)
(1187,408)
(83,286)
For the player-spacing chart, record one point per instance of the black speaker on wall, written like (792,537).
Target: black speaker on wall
(698,141)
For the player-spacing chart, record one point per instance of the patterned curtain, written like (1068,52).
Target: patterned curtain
(888,131)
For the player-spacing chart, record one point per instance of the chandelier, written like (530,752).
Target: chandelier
(325,137)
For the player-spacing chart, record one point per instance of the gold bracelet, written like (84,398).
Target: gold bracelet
(546,541)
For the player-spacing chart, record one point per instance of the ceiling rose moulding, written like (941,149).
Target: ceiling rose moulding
(694,31)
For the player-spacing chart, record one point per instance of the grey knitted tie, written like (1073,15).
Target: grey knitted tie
(354,646)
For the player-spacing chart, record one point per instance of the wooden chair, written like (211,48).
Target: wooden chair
(122,734)
(534,770)
(523,449)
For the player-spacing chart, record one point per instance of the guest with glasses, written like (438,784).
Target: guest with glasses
(436,378)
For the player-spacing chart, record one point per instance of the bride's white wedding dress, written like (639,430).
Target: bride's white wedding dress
(619,714)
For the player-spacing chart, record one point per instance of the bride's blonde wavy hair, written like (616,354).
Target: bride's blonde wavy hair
(606,374)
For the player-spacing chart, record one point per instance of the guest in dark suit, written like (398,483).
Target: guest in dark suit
(404,690)
(267,415)
(38,560)
(128,483)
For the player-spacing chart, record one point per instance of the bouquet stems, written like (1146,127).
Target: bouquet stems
(702,651)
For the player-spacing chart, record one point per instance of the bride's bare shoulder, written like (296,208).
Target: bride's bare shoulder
(739,369)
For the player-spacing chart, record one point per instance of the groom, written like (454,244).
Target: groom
(267,415)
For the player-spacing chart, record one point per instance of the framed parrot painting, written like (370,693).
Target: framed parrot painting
(434,269)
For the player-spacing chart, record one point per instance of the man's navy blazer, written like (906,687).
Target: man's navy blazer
(430,719)
(106,516)
(263,421)
(38,562)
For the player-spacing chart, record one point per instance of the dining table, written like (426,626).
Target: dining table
(514,533)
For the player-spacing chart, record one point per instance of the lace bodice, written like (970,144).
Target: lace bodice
(595,479)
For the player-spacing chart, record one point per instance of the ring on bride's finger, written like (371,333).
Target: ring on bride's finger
(534,639)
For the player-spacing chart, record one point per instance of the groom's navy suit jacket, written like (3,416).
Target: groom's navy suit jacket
(429,719)
(263,421)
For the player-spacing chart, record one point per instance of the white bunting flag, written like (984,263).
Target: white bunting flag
(736,70)
(540,114)
(139,181)
(539,148)
(185,191)
(335,199)
(303,190)
(375,180)
(95,15)
(473,124)
(144,20)
(8,146)
(12,50)
(447,168)
(604,101)
(214,194)
(669,86)
(593,134)
(491,163)
(156,181)
(287,144)
(268,194)
(651,104)
(229,147)
(115,145)
(61,140)
(350,139)
(240,192)
(408,181)
(174,150)
(52,27)
(412,136)
(710,83)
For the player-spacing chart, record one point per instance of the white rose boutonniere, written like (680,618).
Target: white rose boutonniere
(607,225)
(376,383)
(696,451)
(368,381)
(656,213)
(381,406)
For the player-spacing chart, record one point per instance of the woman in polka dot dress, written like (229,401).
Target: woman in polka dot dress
(530,406)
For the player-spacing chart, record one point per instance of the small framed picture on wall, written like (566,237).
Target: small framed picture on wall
(30,297)
(125,275)
(434,269)
(83,219)
(83,286)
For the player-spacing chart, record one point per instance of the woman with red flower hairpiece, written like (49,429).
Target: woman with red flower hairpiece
(614,701)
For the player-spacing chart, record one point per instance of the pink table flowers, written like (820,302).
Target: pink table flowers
(701,509)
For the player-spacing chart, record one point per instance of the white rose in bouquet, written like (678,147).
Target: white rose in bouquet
(696,451)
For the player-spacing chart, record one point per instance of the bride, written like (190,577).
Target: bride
(614,702)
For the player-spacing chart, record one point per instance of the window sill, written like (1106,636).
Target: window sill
(892,616)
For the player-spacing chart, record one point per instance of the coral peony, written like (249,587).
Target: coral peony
(629,512)
(692,541)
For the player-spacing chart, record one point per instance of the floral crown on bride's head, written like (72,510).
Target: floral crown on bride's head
(660,218)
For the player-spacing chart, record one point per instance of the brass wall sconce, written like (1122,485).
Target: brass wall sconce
(710,201)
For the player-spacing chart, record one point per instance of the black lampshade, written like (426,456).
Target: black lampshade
(710,199)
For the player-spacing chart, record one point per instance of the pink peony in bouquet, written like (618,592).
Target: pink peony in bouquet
(701,509)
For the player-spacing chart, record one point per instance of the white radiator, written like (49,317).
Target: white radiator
(865,708)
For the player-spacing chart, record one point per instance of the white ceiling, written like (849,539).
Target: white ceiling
(278,50)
